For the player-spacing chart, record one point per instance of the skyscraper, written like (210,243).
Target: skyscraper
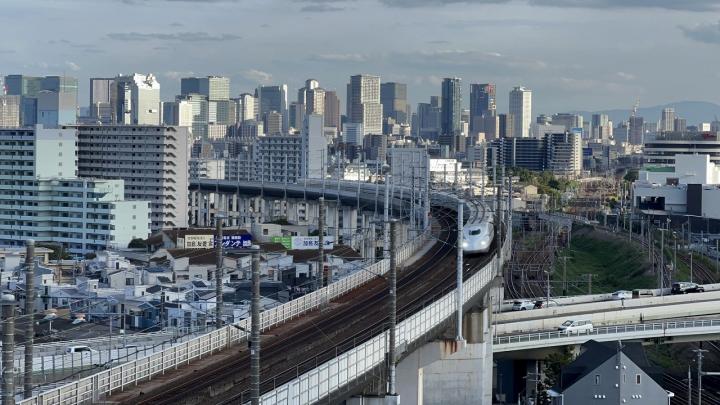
(451,106)
(667,121)
(57,101)
(521,111)
(136,99)
(363,103)
(100,98)
(482,104)
(636,130)
(332,109)
(10,111)
(315,101)
(393,97)
(273,98)
(246,107)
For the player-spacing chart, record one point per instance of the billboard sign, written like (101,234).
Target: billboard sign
(237,241)
(303,242)
(198,242)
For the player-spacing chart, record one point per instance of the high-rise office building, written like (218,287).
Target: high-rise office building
(136,99)
(363,103)
(310,84)
(451,107)
(428,119)
(680,124)
(667,121)
(246,107)
(393,97)
(49,100)
(568,120)
(10,107)
(521,111)
(600,126)
(273,98)
(177,113)
(506,125)
(296,113)
(213,87)
(100,99)
(156,170)
(200,111)
(332,109)
(353,133)
(273,123)
(315,101)
(637,130)
(482,105)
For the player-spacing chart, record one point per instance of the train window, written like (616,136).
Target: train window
(475,232)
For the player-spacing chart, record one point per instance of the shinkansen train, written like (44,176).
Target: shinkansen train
(477,238)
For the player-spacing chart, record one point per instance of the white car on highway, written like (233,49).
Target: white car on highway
(576,326)
(523,305)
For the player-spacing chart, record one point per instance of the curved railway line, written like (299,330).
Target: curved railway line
(296,347)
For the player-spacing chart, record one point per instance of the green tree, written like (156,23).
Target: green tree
(137,243)
(631,175)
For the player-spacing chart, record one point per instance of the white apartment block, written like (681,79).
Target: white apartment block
(152,160)
(41,198)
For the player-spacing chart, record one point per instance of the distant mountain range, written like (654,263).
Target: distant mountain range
(694,112)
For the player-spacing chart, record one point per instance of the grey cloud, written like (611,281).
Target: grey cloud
(340,57)
(425,3)
(320,8)
(179,36)
(708,33)
(690,5)
(463,59)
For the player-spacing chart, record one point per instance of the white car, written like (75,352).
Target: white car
(576,326)
(622,295)
(79,349)
(523,305)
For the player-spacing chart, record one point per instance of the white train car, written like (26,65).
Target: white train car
(478,237)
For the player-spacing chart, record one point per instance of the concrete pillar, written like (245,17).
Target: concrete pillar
(476,325)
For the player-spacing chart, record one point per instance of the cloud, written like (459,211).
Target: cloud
(491,62)
(320,8)
(7,51)
(708,33)
(625,75)
(690,5)
(258,76)
(72,65)
(340,57)
(179,36)
(174,75)
(430,3)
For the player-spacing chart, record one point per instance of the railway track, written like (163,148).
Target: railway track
(296,349)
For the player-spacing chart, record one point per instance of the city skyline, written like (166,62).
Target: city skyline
(617,58)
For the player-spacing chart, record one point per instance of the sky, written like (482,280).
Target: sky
(574,54)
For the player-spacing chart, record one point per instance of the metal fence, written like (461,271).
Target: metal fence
(642,330)
(89,389)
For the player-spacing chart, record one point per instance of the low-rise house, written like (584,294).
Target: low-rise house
(610,373)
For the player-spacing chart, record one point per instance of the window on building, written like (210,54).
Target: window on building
(597,379)
(637,378)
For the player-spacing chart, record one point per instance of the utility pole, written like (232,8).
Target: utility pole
(699,353)
(321,280)
(392,281)
(30,313)
(661,270)
(689,385)
(218,271)
(459,270)
(255,330)
(8,349)
(565,274)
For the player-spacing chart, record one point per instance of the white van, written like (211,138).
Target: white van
(79,349)
(576,326)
